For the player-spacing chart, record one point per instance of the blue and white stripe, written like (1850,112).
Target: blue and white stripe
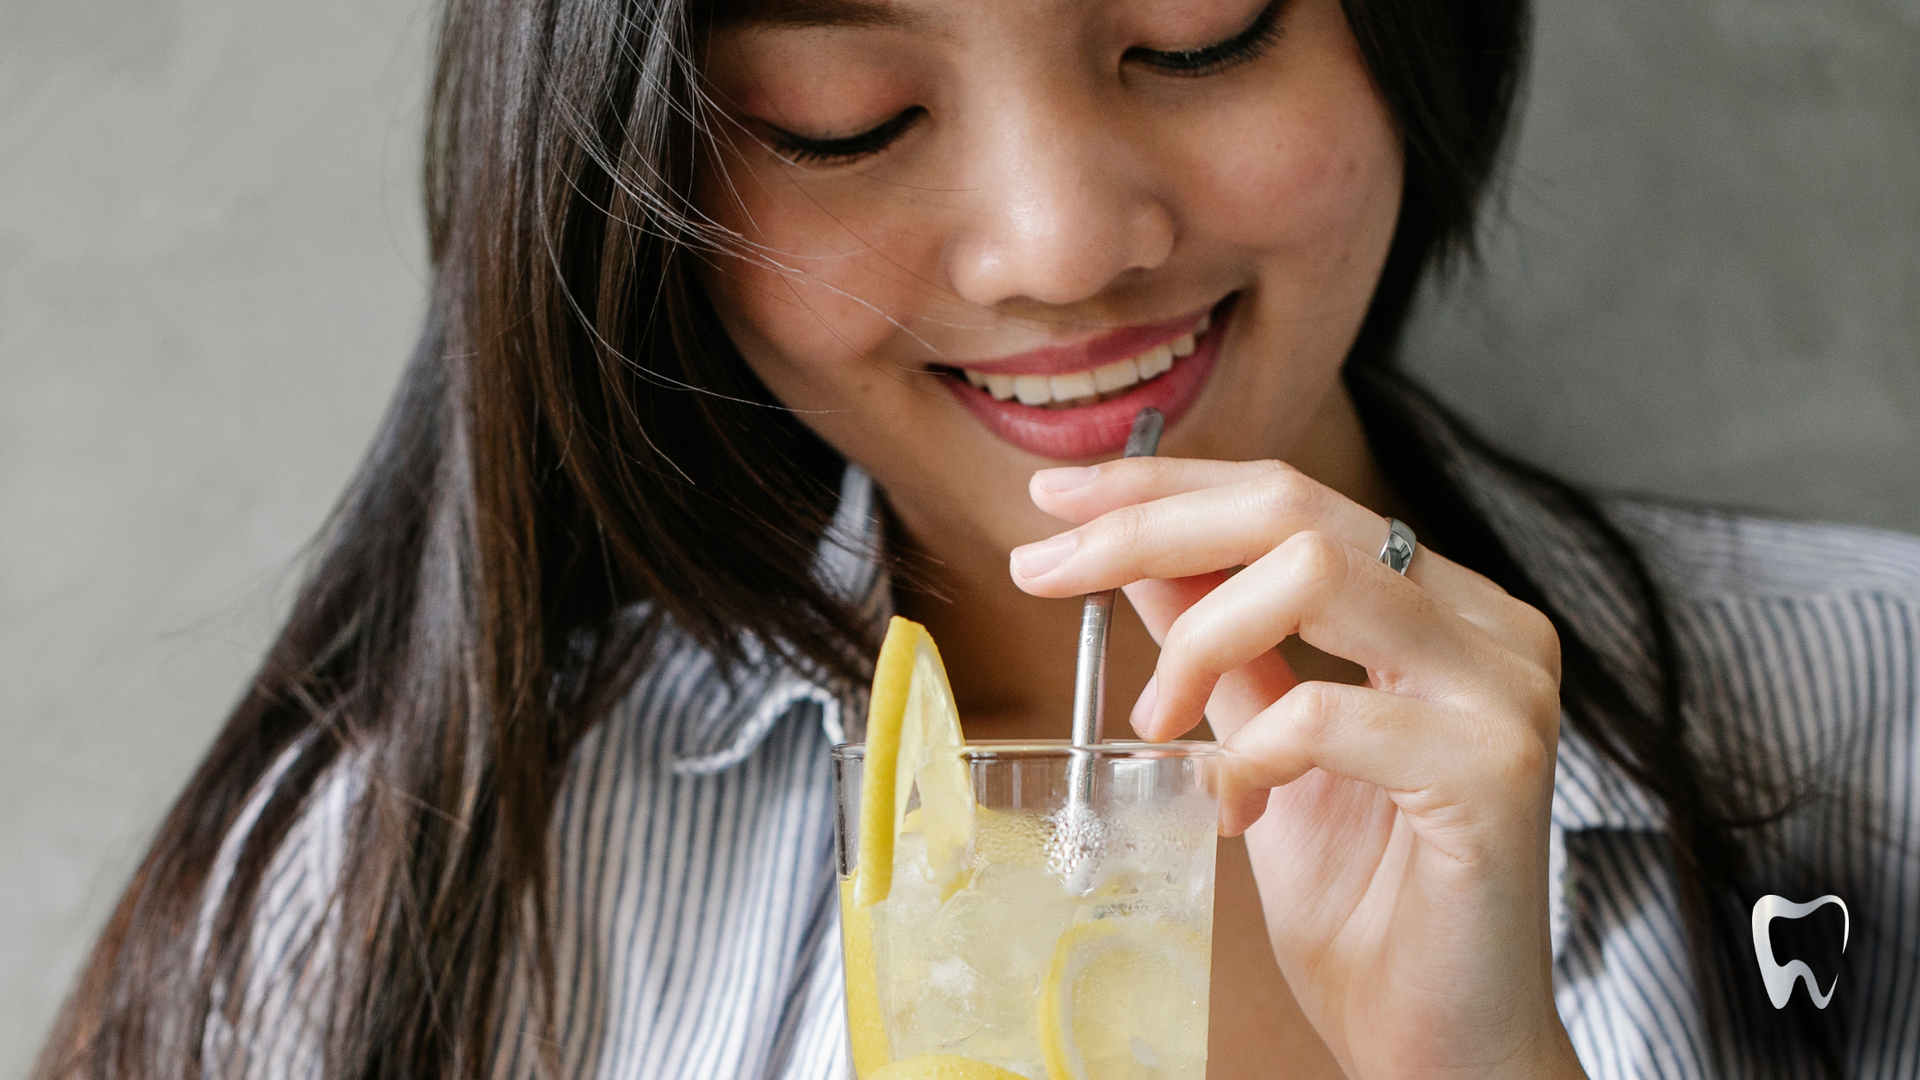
(693,885)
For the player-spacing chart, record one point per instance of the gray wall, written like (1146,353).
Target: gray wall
(211,267)
(1707,281)
(1705,286)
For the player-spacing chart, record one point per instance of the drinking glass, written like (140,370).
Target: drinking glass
(1071,937)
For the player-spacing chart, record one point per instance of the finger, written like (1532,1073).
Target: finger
(1240,693)
(1428,757)
(1187,533)
(1170,530)
(1173,530)
(1081,494)
(1338,601)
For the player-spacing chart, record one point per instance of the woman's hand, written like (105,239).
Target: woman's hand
(1398,830)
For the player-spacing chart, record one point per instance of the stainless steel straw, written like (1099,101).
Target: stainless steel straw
(1096,615)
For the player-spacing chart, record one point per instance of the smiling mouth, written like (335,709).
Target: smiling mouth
(1077,389)
(1077,401)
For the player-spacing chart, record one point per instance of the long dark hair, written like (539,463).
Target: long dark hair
(577,457)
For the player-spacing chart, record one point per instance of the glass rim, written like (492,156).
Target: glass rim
(1058,749)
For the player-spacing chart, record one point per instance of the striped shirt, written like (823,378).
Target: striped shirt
(693,888)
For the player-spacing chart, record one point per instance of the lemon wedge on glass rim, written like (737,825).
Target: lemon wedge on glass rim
(913,744)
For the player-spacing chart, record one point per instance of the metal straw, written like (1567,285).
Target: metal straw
(1096,615)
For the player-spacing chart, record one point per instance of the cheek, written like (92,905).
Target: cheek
(799,336)
(801,295)
(1320,183)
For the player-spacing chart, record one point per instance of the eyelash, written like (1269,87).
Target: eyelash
(804,151)
(1185,64)
(1211,59)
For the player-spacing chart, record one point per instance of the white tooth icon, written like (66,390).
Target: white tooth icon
(1779,978)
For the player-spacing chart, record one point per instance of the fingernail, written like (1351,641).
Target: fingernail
(1066,479)
(1142,716)
(1040,557)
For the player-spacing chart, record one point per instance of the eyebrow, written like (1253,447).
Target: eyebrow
(880,14)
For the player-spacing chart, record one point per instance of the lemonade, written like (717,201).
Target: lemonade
(995,924)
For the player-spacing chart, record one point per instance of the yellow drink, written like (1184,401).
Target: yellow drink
(1069,940)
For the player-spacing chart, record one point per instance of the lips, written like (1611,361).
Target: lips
(1078,400)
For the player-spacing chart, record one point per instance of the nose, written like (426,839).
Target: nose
(1059,208)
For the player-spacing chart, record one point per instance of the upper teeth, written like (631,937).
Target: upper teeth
(1043,389)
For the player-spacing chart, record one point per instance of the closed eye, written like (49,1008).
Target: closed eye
(802,150)
(1208,59)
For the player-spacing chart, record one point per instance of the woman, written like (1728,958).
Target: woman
(755,321)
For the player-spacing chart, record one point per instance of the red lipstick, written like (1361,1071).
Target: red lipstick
(1097,351)
(1099,429)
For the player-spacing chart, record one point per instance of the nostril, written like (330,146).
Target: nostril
(1058,240)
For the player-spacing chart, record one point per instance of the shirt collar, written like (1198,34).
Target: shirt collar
(1590,793)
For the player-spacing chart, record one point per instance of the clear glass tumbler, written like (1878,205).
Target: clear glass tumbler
(1072,938)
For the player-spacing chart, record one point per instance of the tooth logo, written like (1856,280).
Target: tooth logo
(1779,978)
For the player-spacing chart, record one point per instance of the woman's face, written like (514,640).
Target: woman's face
(979,235)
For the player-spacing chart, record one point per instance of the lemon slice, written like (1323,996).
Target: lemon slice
(943,1067)
(913,739)
(1126,999)
(866,1029)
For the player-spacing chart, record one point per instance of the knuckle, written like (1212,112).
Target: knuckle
(1180,644)
(1538,642)
(1549,654)
(1534,692)
(1122,533)
(1310,708)
(1316,560)
(1544,689)
(1267,466)
(1283,493)
(1538,630)
(1521,758)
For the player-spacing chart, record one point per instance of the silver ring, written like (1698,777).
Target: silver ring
(1397,553)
